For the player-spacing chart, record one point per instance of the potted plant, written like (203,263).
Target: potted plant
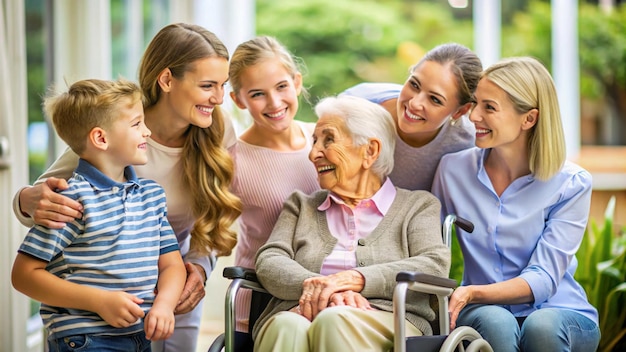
(602,273)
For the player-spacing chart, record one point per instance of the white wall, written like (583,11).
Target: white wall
(14,307)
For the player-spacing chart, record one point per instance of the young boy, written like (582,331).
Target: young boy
(96,278)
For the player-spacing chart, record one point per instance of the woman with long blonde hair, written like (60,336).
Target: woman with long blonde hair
(182,75)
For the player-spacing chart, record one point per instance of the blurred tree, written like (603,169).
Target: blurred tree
(346,42)
(434,23)
(602,52)
(335,39)
(529,33)
(350,41)
(603,66)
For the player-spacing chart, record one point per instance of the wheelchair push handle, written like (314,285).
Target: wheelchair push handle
(464,224)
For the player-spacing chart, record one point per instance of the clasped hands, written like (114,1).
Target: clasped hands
(340,289)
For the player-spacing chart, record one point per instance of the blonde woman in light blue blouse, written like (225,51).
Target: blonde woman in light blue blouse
(530,208)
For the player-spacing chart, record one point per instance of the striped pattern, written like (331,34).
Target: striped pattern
(115,246)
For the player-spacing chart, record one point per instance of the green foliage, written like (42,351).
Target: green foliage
(346,42)
(602,48)
(602,43)
(37,163)
(602,273)
(334,39)
(456,267)
(36,74)
(434,24)
(530,33)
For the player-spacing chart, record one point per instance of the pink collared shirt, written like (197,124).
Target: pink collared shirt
(349,225)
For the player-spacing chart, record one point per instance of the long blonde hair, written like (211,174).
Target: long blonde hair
(208,168)
(528,85)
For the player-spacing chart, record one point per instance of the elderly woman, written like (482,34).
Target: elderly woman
(332,257)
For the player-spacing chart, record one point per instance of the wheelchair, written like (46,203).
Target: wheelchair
(463,338)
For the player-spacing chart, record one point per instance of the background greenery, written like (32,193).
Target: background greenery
(346,42)
(602,273)
(350,41)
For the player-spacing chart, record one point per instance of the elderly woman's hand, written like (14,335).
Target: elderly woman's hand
(350,298)
(317,291)
(344,298)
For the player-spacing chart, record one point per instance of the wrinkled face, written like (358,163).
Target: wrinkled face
(338,161)
(195,95)
(428,98)
(270,94)
(496,120)
(127,135)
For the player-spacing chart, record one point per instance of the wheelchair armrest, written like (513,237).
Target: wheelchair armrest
(407,276)
(425,283)
(239,272)
(241,278)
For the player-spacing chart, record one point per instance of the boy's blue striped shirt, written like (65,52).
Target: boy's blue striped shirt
(115,246)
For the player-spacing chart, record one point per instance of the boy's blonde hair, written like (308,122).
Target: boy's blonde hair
(87,104)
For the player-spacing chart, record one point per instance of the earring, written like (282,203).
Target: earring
(453,121)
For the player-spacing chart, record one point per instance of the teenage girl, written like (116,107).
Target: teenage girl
(271,156)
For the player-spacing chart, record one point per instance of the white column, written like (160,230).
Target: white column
(15,309)
(82,40)
(82,43)
(184,10)
(566,69)
(233,21)
(487,18)
(133,30)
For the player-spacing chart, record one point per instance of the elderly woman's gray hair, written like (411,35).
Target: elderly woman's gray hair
(364,120)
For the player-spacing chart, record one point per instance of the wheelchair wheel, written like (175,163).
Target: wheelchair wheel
(464,336)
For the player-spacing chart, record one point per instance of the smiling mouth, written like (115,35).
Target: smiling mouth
(482,131)
(277,115)
(325,168)
(413,117)
(205,109)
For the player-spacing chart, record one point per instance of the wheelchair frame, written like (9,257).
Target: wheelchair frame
(420,282)
(442,288)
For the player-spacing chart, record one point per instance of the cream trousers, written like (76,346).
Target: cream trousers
(339,328)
